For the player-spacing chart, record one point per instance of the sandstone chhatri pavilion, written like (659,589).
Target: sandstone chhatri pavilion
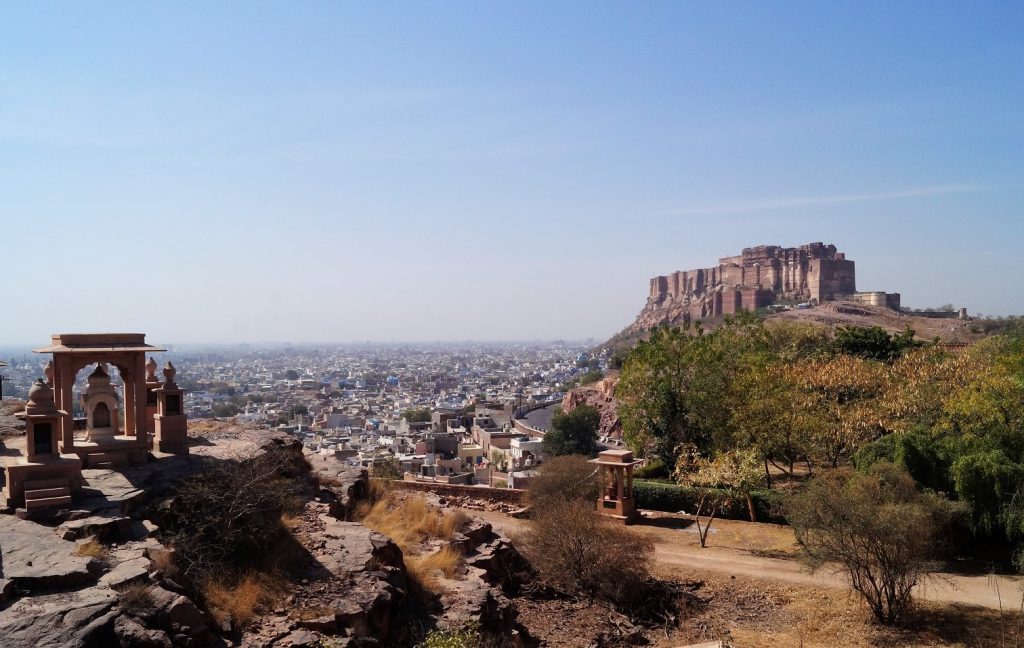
(122,425)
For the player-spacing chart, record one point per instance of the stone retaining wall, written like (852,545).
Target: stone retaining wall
(507,495)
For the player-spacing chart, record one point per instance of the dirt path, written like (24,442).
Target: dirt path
(768,552)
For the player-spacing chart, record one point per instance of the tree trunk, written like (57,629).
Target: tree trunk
(750,507)
(767,475)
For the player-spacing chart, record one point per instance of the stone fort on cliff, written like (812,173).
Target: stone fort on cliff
(759,277)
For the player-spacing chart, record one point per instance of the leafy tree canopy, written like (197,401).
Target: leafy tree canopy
(573,433)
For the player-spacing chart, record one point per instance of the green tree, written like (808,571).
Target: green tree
(573,433)
(417,415)
(873,342)
(291,374)
(225,410)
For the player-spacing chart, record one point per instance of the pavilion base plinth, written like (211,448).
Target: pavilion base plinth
(42,483)
(621,511)
(171,434)
(116,452)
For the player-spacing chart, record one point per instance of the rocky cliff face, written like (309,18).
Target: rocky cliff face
(601,396)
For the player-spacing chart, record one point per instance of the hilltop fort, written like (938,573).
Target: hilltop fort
(756,278)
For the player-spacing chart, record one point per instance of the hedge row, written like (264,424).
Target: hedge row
(672,498)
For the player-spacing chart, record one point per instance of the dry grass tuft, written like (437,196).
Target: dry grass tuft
(162,560)
(425,569)
(240,602)
(378,490)
(411,520)
(136,598)
(92,548)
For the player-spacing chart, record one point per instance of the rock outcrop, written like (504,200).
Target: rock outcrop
(600,396)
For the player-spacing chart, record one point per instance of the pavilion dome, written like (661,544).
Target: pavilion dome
(99,383)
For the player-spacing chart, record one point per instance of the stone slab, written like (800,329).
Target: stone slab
(33,557)
(126,573)
(82,618)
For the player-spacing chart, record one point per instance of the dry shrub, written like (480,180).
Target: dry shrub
(423,569)
(570,477)
(576,550)
(91,548)
(411,520)
(242,600)
(227,517)
(135,598)
(878,527)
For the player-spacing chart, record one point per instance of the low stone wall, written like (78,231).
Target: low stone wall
(507,495)
(526,429)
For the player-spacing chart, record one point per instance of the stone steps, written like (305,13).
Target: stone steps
(43,493)
(40,493)
(45,502)
(109,459)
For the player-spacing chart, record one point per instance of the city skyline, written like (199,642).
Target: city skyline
(399,173)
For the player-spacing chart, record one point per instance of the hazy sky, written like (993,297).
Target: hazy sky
(208,172)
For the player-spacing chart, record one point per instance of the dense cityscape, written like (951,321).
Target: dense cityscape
(469,413)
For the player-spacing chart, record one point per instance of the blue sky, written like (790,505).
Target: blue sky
(423,171)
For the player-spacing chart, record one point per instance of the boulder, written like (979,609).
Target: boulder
(300,639)
(500,563)
(473,601)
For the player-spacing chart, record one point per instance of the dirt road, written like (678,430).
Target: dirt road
(768,552)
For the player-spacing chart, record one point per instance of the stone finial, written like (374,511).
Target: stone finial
(48,372)
(151,370)
(169,373)
(40,399)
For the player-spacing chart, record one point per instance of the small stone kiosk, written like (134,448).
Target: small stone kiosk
(170,426)
(42,476)
(105,445)
(615,498)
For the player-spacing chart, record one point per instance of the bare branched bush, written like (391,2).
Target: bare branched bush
(569,477)
(228,517)
(578,551)
(877,526)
